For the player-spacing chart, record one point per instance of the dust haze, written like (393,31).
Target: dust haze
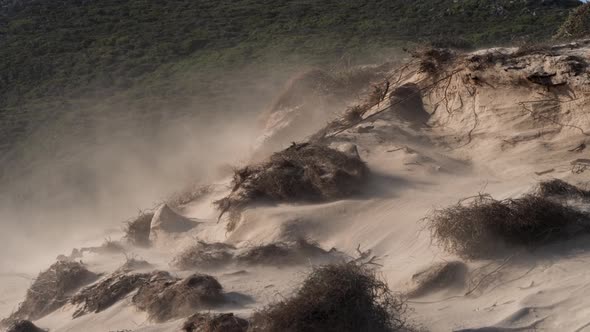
(104,169)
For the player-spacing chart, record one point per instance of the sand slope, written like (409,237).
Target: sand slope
(500,122)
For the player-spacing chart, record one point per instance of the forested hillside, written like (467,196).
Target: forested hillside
(66,63)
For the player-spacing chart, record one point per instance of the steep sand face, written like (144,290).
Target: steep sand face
(495,121)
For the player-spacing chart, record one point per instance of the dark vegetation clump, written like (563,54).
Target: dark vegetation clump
(137,230)
(102,295)
(282,253)
(52,289)
(23,326)
(479,227)
(577,25)
(345,297)
(165,297)
(301,173)
(433,61)
(561,189)
(204,255)
(206,322)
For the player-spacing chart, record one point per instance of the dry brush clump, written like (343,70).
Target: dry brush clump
(283,253)
(207,322)
(301,173)
(137,230)
(433,61)
(52,289)
(100,296)
(481,226)
(344,297)
(165,297)
(204,255)
(560,189)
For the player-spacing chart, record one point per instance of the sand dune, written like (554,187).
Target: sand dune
(495,121)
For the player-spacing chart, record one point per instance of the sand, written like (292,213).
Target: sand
(480,138)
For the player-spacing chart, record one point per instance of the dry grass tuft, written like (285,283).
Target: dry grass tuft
(300,173)
(479,227)
(24,326)
(52,289)
(102,295)
(165,297)
(345,297)
(137,230)
(560,188)
(282,253)
(204,255)
(205,322)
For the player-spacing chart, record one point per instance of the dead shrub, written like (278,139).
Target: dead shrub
(433,61)
(204,255)
(560,188)
(206,322)
(165,297)
(301,173)
(100,296)
(344,297)
(52,289)
(137,230)
(23,326)
(282,253)
(479,227)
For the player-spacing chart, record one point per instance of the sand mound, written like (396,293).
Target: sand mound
(132,264)
(437,277)
(164,297)
(480,226)
(187,195)
(344,298)
(167,221)
(137,230)
(205,322)
(204,255)
(102,295)
(52,289)
(283,253)
(300,173)
(24,326)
